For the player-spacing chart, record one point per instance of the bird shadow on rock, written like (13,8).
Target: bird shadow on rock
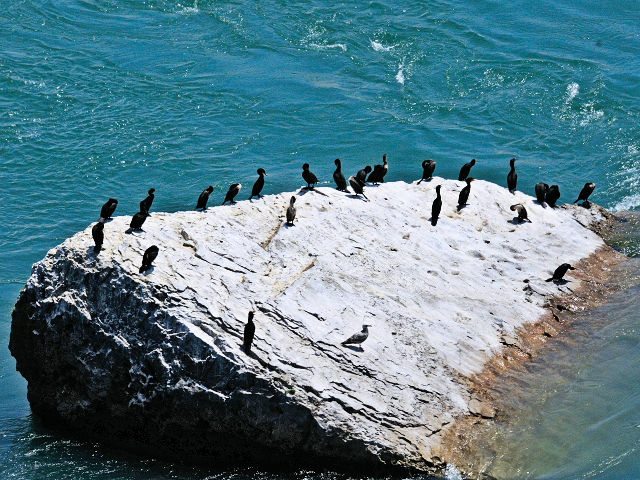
(253,355)
(305,190)
(516,221)
(586,204)
(149,270)
(354,348)
(130,230)
(91,252)
(358,197)
(288,225)
(560,282)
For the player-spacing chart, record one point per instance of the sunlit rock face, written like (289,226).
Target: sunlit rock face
(154,360)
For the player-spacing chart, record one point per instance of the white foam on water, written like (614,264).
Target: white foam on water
(451,472)
(378,47)
(400,75)
(590,114)
(627,203)
(189,10)
(492,78)
(573,89)
(341,46)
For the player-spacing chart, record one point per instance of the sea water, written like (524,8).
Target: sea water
(108,98)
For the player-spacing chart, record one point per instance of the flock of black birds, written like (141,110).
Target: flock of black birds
(545,195)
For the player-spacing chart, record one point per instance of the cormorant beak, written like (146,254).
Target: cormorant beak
(571,268)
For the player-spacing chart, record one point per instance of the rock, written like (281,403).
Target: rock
(154,360)
(481,409)
(548,330)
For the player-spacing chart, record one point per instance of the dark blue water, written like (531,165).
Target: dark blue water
(109,98)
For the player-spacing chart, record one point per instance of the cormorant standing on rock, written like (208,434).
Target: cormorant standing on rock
(362,174)
(338,176)
(466,170)
(108,208)
(585,192)
(358,338)
(379,171)
(145,205)
(541,192)
(149,256)
(559,272)
(249,333)
(357,186)
(204,198)
(522,212)
(464,193)
(259,185)
(137,221)
(428,167)
(308,176)
(97,232)
(232,192)
(436,207)
(552,195)
(291,211)
(512,177)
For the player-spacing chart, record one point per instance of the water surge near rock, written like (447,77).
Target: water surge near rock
(154,361)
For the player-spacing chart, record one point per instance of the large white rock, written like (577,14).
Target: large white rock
(156,358)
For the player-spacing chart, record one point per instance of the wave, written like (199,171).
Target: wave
(400,75)
(378,47)
(573,89)
(630,202)
(451,472)
(590,114)
(329,46)
(188,10)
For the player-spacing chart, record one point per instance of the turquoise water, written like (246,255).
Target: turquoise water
(108,98)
